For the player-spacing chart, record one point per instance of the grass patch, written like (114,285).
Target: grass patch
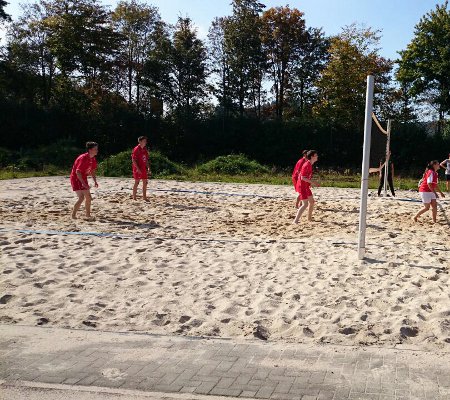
(231,168)
(12,172)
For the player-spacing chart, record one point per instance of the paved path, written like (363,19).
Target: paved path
(186,368)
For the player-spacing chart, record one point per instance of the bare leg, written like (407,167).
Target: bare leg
(135,187)
(144,189)
(297,202)
(77,205)
(447,184)
(301,210)
(311,208)
(87,204)
(434,209)
(425,208)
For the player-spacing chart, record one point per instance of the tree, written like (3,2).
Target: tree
(309,63)
(188,58)
(220,65)
(176,70)
(283,35)
(353,55)
(245,55)
(29,50)
(82,39)
(3,15)
(137,23)
(157,67)
(425,64)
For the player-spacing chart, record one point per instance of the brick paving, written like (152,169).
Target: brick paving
(220,367)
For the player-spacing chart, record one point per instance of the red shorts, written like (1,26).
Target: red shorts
(142,175)
(305,192)
(76,184)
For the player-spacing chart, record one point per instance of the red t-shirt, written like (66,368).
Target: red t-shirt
(307,172)
(141,156)
(85,165)
(297,169)
(430,177)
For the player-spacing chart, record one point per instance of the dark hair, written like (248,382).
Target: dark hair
(431,163)
(141,138)
(304,152)
(310,154)
(91,145)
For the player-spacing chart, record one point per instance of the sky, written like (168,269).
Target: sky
(395,18)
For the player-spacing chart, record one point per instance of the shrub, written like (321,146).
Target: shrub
(7,157)
(233,164)
(120,165)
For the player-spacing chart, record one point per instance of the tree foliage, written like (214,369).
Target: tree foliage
(265,84)
(283,36)
(425,64)
(3,15)
(352,56)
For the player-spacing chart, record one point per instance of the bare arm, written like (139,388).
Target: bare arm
(442,164)
(94,177)
(435,188)
(136,165)
(305,179)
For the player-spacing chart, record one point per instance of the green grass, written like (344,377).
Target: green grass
(47,170)
(233,168)
(193,174)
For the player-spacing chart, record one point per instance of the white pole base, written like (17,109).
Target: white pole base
(361,253)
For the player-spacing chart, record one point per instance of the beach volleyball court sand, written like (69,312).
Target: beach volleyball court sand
(224,260)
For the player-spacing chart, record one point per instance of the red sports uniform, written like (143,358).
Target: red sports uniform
(304,188)
(430,177)
(140,155)
(84,164)
(296,172)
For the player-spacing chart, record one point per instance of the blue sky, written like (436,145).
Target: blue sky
(396,18)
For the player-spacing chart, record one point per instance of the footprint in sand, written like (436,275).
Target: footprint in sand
(113,374)
(409,331)
(6,298)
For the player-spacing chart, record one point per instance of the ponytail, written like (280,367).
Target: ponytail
(431,164)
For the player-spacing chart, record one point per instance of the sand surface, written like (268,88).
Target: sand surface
(207,263)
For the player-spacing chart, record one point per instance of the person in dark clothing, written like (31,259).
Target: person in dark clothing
(390,176)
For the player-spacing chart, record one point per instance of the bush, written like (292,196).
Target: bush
(233,165)
(61,153)
(120,165)
(7,157)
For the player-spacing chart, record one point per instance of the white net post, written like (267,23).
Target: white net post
(365,168)
(387,158)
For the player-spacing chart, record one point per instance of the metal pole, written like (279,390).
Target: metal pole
(365,168)
(387,158)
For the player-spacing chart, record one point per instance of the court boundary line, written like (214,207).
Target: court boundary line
(186,239)
(333,242)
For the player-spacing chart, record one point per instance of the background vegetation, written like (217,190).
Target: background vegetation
(264,85)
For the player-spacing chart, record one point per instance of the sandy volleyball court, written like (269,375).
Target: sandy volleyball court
(206,263)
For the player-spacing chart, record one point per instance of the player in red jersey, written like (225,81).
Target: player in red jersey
(84,165)
(141,167)
(306,182)
(295,175)
(429,190)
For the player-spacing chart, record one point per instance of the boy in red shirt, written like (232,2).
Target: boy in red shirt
(305,183)
(295,175)
(141,167)
(428,189)
(84,165)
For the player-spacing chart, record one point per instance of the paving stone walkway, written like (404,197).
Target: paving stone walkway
(220,367)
